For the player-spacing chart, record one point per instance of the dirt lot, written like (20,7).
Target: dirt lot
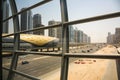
(90,69)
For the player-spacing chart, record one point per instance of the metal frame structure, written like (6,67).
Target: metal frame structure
(1,24)
(65,55)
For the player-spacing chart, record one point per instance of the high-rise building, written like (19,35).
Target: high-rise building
(5,15)
(117,35)
(81,37)
(37,23)
(84,38)
(59,33)
(55,32)
(71,33)
(114,38)
(52,31)
(110,38)
(30,21)
(89,40)
(76,34)
(37,20)
(26,20)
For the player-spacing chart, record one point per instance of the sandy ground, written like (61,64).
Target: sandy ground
(90,69)
(118,49)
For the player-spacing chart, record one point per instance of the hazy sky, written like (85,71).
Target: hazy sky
(80,9)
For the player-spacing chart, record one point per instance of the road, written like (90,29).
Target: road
(37,66)
(40,65)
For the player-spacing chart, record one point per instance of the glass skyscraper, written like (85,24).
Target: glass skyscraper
(71,33)
(5,15)
(37,23)
(26,20)
(55,32)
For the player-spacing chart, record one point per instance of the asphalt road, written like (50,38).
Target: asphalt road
(37,66)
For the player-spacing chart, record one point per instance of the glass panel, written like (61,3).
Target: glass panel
(7,25)
(39,66)
(94,69)
(44,14)
(4,74)
(97,31)
(25,3)
(83,9)
(40,17)
(6,60)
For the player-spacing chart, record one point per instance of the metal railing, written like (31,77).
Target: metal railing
(65,55)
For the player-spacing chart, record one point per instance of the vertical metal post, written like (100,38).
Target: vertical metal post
(1,25)
(65,40)
(53,49)
(16,40)
(118,68)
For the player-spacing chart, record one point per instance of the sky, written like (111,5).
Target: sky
(79,9)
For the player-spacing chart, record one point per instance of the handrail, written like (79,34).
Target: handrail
(31,7)
(100,17)
(76,55)
(22,74)
(97,56)
(34,29)
(39,53)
